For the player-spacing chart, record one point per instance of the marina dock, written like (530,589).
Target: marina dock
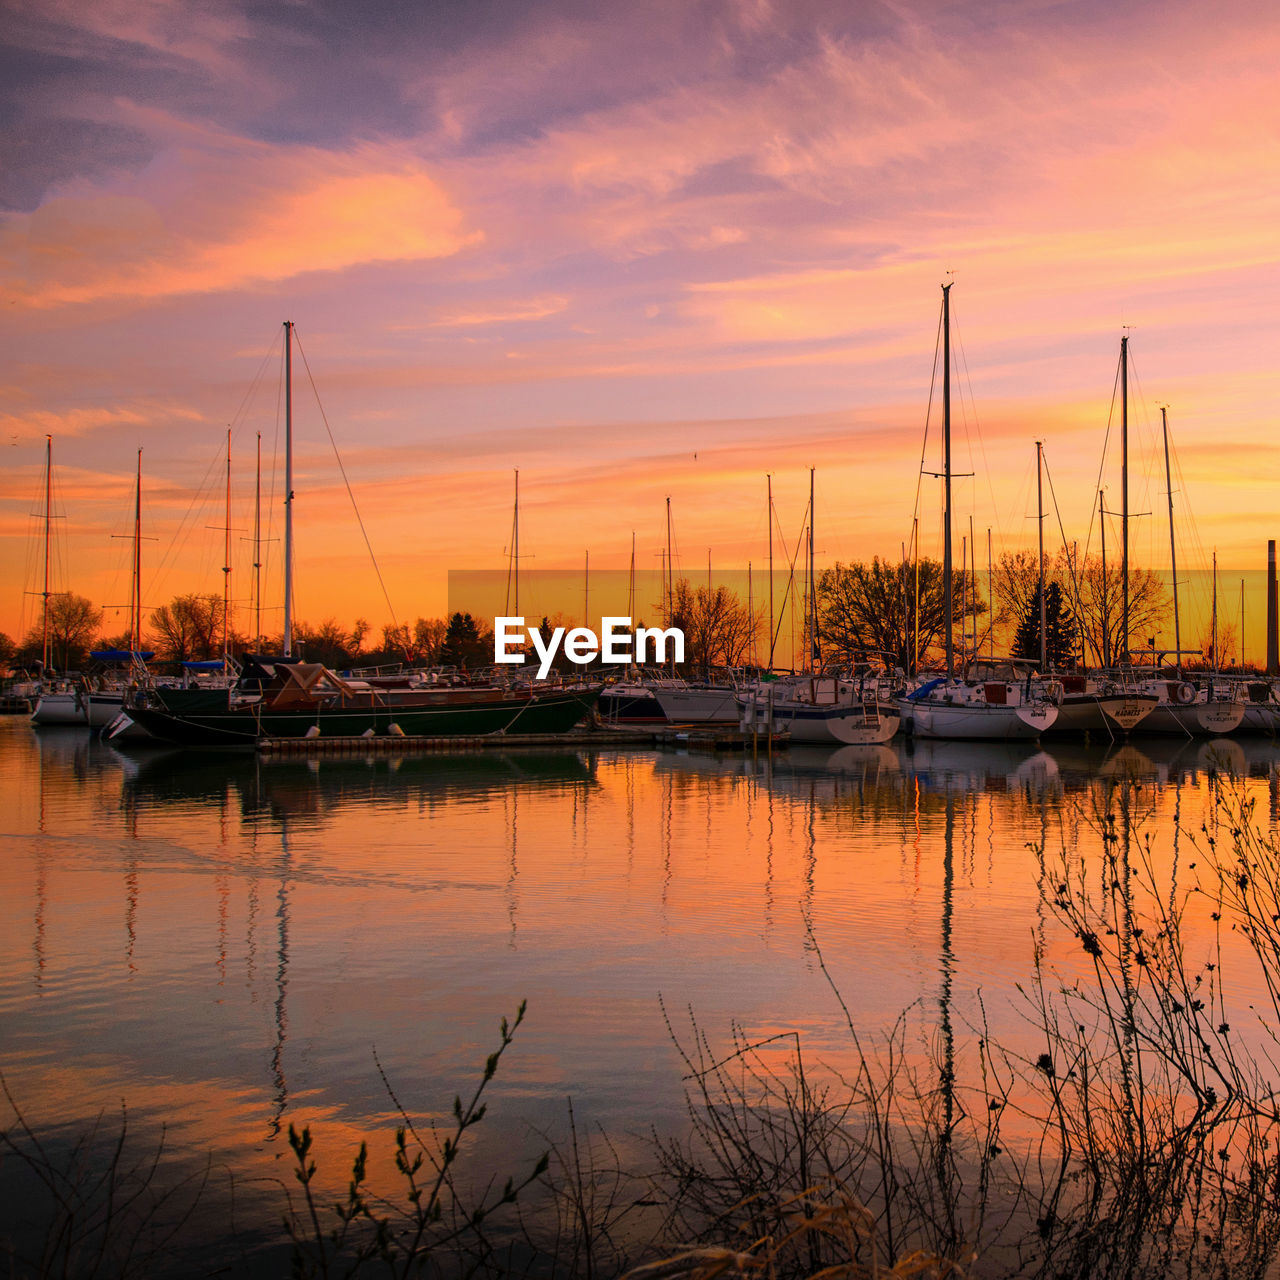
(693,737)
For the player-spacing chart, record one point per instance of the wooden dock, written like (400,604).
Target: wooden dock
(684,736)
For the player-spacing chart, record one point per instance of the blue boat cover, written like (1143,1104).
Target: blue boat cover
(121,655)
(925,689)
(208,664)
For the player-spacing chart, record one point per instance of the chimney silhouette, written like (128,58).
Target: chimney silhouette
(1273,631)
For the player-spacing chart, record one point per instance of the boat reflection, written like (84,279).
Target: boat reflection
(310,791)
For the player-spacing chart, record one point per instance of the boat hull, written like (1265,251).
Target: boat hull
(698,706)
(974,721)
(1195,718)
(1102,713)
(852,726)
(199,717)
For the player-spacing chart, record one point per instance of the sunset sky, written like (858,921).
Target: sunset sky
(636,252)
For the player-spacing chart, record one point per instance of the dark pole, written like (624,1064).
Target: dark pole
(946,472)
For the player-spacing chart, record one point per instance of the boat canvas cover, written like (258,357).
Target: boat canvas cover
(305,683)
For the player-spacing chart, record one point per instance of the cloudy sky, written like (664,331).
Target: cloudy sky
(637,252)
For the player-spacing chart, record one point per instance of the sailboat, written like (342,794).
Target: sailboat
(1182,707)
(59,702)
(284,697)
(946,707)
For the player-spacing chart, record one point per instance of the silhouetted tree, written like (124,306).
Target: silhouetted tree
(1100,609)
(189,628)
(719,629)
(875,607)
(73,623)
(1062,633)
(465,644)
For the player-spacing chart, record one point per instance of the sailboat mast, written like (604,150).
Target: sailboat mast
(631,582)
(48,519)
(671,602)
(226,565)
(135,589)
(1044,646)
(515,544)
(769,523)
(257,549)
(1213,629)
(1124,497)
(812,637)
(287,646)
(1173,551)
(1106,591)
(946,474)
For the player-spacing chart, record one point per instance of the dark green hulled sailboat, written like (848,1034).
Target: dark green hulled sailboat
(285,698)
(300,700)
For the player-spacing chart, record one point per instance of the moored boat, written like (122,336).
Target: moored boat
(307,700)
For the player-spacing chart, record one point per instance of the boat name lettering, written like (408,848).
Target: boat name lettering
(621,643)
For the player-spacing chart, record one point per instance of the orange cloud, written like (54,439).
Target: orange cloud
(216,214)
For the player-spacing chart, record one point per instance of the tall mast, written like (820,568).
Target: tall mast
(671,600)
(1173,551)
(1044,646)
(1106,591)
(257,550)
(586,588)
(812,638)
(991,597)
(1124,497)
(1213,628)
(515,543)
(135,588)
(48,520)
(631,582)
(946,474)
(226,565)
(288,489)
(769,522)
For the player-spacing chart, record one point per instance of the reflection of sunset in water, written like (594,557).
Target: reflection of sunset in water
(225,942)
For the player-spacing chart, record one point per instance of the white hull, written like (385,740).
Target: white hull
(980,721)
(1103,713)
(1260,717)
(851,725)
(1195,718)
(59,708)
(699,706)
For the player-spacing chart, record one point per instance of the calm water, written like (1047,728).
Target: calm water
(223,943)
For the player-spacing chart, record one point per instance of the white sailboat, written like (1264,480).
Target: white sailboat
(1183,707)
(825,710)
(951,708)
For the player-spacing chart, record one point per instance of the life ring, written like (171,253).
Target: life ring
(1184,693)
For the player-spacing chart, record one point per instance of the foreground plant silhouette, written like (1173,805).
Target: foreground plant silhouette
(433,1218)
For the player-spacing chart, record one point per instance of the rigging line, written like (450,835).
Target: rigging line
(928,413)
(970,406)
(1102,462)
(359,519)
(1072,567)
(254,384)
(791,577)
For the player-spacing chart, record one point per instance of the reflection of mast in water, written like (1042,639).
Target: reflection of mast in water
(947,1068)
(810,850)
(768,865)
(37,944)
(513,868)
(131,912)
(282,984)
(666,846)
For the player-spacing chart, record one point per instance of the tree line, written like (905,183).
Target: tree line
(893,611)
